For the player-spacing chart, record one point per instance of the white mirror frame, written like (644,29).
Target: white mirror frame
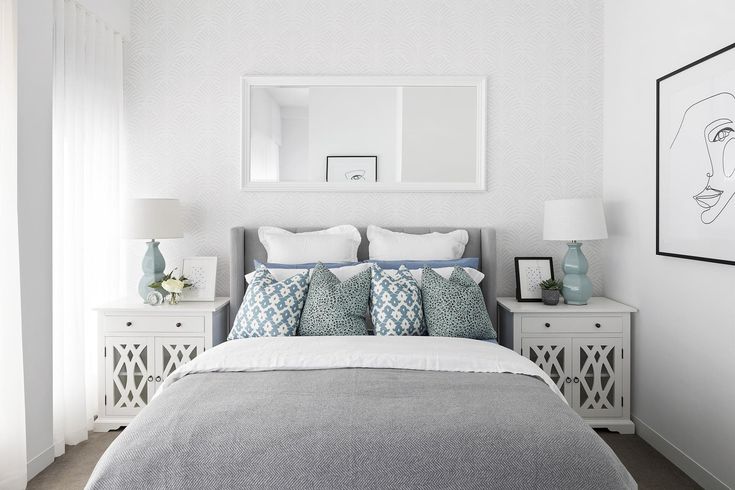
(300,81)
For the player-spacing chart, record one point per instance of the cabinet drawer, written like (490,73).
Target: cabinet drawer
(573,324)
(138,323)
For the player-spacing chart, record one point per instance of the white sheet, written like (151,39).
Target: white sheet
(305,353)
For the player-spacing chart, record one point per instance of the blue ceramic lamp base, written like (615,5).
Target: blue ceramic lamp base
(153,266)
(577,288)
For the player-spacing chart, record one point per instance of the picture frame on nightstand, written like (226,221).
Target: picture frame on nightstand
(202,274)
(530,271)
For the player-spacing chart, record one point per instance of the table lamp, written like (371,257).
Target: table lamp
(572,220)
(152,218)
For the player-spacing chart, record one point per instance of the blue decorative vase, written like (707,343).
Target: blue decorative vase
(577,286)
(153,266)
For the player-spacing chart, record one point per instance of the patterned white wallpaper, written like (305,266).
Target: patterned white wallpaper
(543,61)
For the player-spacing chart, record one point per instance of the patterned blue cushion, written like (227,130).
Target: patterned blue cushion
(395,303)
(271,308)
(334,307)
(455,307)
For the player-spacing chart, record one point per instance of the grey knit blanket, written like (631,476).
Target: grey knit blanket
(358,428)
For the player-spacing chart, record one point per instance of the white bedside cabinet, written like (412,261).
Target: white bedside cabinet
(140,345)
(584,349)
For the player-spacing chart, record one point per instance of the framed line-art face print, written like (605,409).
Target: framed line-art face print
(530,271)
(695,164)
(357,169)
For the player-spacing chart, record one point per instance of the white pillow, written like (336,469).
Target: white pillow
(393,245)
(445,272)
(336,244)
(342,273)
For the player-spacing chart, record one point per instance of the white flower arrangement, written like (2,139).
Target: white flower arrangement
(172,285)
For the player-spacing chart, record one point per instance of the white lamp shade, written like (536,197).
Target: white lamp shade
(152,218)
(574,219)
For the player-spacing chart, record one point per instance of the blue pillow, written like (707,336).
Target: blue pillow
(306,265)
(395,303)
(271,308)
(471,262)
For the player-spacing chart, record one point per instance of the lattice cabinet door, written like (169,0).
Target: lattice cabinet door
(172,352)
(598,375)
(554,357)
(128,374)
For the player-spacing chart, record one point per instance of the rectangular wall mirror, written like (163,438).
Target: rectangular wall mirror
(363,134)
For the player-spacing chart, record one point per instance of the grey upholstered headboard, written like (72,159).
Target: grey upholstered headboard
(245,246)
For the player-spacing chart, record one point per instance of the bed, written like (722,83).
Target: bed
(359,412)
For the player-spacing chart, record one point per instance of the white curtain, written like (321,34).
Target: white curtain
(86,245)
(12,406)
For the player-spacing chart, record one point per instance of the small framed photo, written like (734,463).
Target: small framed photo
(357,169)
(530,271)
(202,274)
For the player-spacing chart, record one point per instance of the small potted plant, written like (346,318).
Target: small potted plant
(550,289)
(172,285)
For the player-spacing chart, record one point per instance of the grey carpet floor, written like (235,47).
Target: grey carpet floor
(650,469)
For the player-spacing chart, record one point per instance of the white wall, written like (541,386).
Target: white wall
(684,335)
(35,75)
(543,61)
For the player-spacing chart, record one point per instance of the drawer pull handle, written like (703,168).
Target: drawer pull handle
(158,378)
(547,325)
(150,378)
(129,324)
(576,379)
(568,380)
(597,325)
(178,324)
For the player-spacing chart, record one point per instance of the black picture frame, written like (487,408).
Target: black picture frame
(659,138)
(334,159)
(522,293)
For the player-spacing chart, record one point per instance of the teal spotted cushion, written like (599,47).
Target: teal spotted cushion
(333,307)
(270,308)
(395,303)
(455,307)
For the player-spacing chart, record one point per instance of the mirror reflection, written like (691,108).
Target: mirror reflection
(364,134)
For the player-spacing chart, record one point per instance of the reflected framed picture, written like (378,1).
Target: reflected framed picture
(201,272)
(695,160)
(345,168)
(530,271)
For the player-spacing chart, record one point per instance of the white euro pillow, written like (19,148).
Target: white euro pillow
(393,245)
(336,244)
(342,273)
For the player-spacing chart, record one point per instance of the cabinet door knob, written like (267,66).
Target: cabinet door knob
(150,378)
(158,378)
(128,324)
(178,324)
(568,380)
(597,325)
(576,379)
(547,324)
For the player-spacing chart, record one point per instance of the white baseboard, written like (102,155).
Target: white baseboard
(13,481)
(694,470)
(40,462)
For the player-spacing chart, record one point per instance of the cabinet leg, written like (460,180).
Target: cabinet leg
(106,426)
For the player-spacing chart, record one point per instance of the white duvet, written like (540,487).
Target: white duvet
(305,353)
